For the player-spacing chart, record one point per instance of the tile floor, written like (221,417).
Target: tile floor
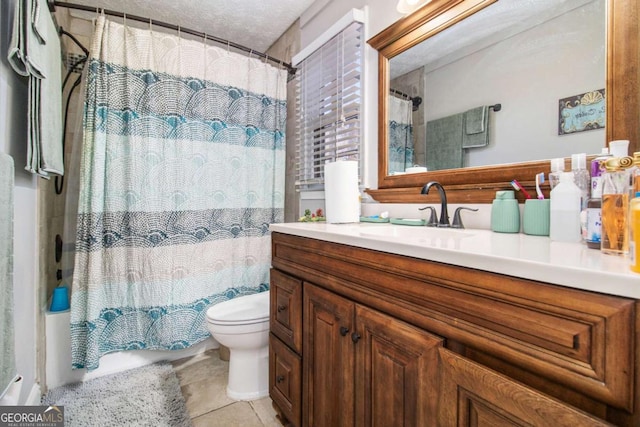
(203,379)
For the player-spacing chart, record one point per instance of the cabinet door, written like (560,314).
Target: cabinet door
(328,362)
(472,395)
(396,372)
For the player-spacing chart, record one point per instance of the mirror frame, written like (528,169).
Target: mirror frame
(478,184)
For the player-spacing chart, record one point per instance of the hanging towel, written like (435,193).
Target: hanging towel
(444,143)
(17,51)
(8,372)
(476,128)
(35,52)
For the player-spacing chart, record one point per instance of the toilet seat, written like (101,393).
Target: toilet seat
(254,309)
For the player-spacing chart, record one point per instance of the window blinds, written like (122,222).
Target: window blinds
(328,105)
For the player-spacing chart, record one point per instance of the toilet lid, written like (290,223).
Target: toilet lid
(246,309)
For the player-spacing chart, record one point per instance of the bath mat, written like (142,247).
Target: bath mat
(146,396)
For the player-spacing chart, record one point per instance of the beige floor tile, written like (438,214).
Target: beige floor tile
(239,414)
(200,367)
(208,393)
(264,410)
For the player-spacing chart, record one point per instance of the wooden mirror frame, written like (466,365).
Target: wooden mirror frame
(478,184)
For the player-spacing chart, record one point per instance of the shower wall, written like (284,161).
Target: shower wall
(51,206)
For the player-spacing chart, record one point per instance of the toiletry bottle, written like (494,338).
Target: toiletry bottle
(557,167)
(581,176)
(505,213)
(564,225)
(594,204)
(619,148)
(615,206)
(594,223)
(582,179)
(634,233)
(597,168)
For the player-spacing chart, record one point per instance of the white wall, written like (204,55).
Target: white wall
(13,135)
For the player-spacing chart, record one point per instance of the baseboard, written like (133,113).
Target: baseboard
(35,395)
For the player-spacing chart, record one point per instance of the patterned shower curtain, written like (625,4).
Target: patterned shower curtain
(400,134)
(182,172)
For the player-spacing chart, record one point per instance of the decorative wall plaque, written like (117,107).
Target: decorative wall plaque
(582,112)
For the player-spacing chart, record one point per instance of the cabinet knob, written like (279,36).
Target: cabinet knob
(281,308)
(344,331)
(279,378)
(355,337)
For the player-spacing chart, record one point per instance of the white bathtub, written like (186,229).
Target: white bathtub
(58,356)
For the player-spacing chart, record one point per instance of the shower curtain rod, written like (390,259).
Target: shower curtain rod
(53,4)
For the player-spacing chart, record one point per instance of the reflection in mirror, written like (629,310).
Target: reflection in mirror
(526,57)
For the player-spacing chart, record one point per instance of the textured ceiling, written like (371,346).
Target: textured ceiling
(256,24)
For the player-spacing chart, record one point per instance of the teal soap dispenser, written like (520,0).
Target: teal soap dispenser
(505,213)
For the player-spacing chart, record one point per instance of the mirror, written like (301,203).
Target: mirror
(434,41)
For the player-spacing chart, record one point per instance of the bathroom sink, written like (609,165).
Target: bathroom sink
(415,232)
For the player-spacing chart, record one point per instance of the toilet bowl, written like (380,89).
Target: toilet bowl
(242,325)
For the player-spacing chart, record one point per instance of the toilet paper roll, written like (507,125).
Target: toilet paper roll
(342,198)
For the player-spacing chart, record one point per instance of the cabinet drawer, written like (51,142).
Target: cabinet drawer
(471,394)
(286,309)
(285,379)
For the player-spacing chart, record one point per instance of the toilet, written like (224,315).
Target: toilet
(242,325)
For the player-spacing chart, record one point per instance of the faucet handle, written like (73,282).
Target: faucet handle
(457,219)
(433,219)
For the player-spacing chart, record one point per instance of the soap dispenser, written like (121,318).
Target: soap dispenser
(505,213)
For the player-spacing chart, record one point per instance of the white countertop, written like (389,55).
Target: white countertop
(530,257)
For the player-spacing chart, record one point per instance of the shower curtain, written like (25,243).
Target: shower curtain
(182,172)
(400,134)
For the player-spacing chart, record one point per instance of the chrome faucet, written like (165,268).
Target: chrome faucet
(444,214)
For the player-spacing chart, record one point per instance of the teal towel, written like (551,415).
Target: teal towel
(34,51)
(476,128)
(444,143)
(8,372)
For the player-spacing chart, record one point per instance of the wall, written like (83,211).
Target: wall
(13,137)
(285,48)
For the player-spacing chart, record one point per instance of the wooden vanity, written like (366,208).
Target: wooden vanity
(363,337)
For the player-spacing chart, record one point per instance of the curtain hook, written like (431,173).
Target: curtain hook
(228,47)
(151,25)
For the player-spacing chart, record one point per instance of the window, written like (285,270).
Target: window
(328,105)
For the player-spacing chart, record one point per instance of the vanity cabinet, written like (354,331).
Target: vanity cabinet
(394,340)
(362,367)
